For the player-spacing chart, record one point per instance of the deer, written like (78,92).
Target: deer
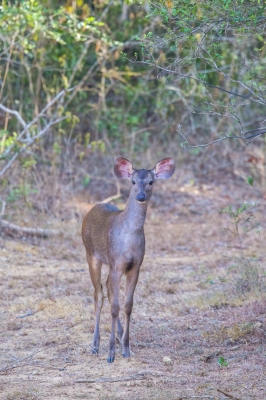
(116,238)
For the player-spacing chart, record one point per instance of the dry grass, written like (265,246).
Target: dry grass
(25,393)
(234,333)
(188,309)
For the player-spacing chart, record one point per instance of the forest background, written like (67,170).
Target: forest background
(81,83)
(89,80)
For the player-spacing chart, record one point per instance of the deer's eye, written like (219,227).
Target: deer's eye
(151,182)
(133,182)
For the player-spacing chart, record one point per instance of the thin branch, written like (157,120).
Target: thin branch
(253,130)
(201,397)
(139,131)
(260,100)
(56,121)
(3,208)
(227,394)
(243,137)
(81,83)
(126,378)
(8,165)
(78,64)
(253,136)
(94,65)
(42,112)
(54,100)
(201,81)
(222,90)
(7,65)
(208,144)
(27,126)
(13,365)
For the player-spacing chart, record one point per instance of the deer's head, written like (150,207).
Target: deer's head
(143,179)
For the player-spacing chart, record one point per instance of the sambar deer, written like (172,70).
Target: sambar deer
(116,238)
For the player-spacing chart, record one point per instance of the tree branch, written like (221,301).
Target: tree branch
(16,113)
(27,126)
(8,226)
(29,143)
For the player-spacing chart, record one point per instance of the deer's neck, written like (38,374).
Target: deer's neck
(134,214)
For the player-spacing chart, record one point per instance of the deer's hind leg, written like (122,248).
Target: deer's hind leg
(95,273)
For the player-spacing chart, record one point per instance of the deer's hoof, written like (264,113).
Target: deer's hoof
(111,359)
(126,355)
(94,350)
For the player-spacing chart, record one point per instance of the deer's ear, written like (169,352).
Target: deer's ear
(123,168)
(164,169)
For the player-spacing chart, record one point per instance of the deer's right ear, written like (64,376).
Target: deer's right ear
(123,168)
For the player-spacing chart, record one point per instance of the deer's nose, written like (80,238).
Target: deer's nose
(141,197)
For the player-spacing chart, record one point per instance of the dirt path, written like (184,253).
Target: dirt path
(195,333)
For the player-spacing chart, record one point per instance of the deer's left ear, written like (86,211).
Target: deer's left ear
(164,169)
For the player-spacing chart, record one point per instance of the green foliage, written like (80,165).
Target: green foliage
(215,50)
(28,163)
(250,180)
(83,51)
(7,139)
(243,221)
(86,180)
(98,145)
(20,191)
(57,148)
(47,47)
(241,214)
(222,362)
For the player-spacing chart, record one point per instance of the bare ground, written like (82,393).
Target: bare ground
(198,327)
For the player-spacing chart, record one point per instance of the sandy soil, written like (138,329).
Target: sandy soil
(198,328)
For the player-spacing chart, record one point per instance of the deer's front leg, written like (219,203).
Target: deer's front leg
(113,286)
(119,329)
(131,282)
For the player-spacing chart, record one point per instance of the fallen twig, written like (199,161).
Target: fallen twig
(143,344)
(3,208)
(108,199)
(228,395)
(27,231)
(125,378)
(114,197)
(13,365)
(27,314)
